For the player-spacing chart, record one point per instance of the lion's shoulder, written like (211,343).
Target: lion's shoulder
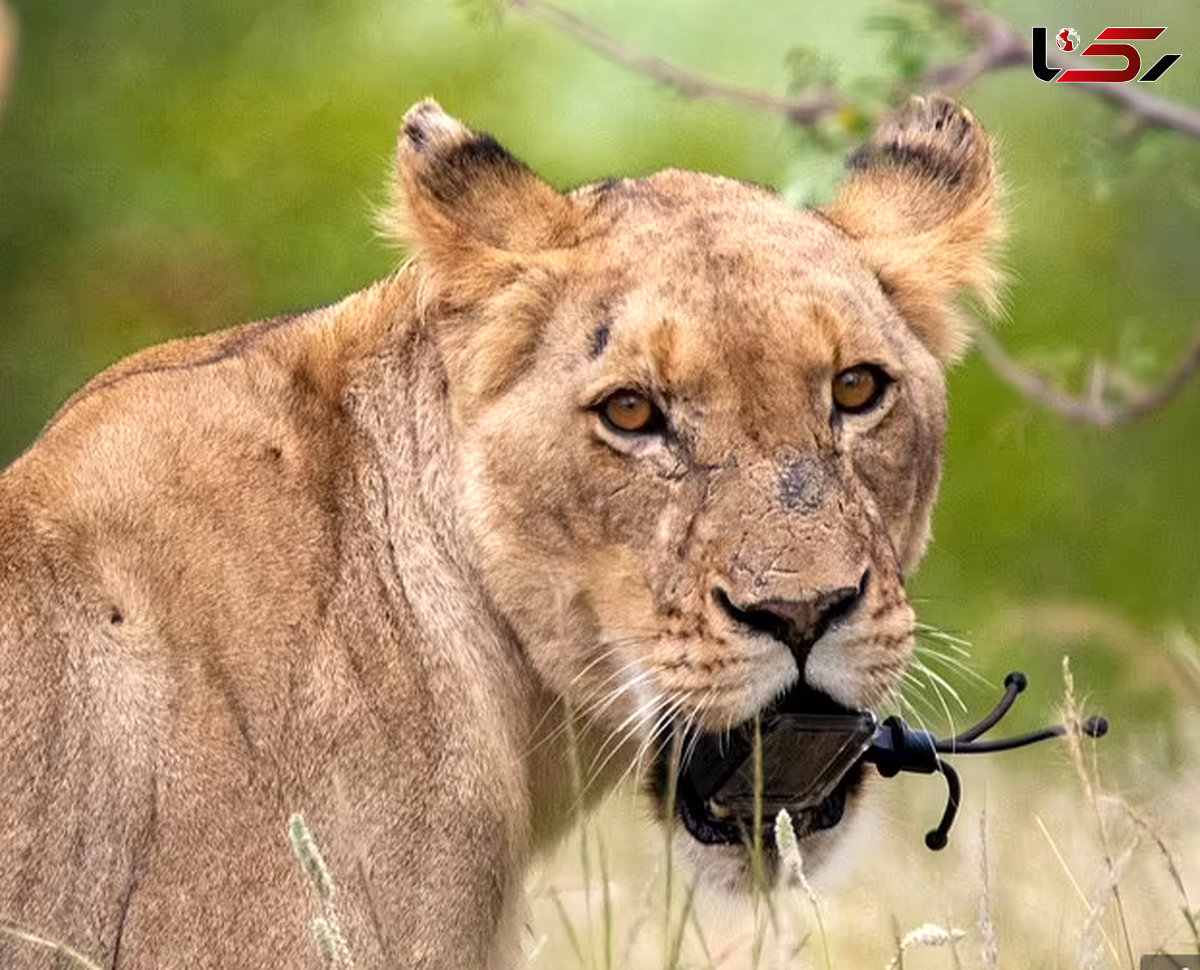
(199,476)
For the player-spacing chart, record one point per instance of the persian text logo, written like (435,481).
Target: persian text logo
(1067,39)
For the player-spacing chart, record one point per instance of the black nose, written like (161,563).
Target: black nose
(798,623)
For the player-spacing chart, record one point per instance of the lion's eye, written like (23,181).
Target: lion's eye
(859,388)
(631,412)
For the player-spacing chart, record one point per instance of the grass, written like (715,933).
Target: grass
(1069,855)
(327,926)
(70,956)
(1083,856)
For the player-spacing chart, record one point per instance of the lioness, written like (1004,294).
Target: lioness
(591,470)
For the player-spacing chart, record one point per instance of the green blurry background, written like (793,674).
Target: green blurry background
(175,167)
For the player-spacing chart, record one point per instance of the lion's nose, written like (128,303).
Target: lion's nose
(798,623)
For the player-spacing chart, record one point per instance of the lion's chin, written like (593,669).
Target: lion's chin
(730,870)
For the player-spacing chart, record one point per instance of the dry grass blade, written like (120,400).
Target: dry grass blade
(989,948)
(675,950)
(674,762)
(326,927)
(927,935)
(18,932)
(700,937)
(1075,746)
(1190,915)
(1114,871)
(1074,734)
(606,909)
(789,852)
(568,926)
(1112,949)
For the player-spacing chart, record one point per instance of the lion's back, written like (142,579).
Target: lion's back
(180,509)
(194,478)
(75,783)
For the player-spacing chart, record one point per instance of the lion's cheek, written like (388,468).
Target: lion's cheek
(560,534)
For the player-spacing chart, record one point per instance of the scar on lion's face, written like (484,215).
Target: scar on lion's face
(692,569)
(592,471)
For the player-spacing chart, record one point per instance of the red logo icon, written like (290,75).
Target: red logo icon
(1067,39)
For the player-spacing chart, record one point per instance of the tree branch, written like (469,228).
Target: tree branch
(1002,45)
(1147,109)
(1095,407)
(999,46)
(803,111)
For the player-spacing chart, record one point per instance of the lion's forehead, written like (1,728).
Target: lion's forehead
(761,240)
(732,264)
(726,315)
(737,306)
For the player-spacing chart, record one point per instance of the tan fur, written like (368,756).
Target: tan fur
(927,237)
(358,564)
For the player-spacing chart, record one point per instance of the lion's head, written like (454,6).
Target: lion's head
(701,431)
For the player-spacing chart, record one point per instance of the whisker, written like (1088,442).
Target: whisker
(913,715)
(963,647)
(940,684)
(655,708)
(910,702)
(620,731)
(586,707)
(941,699)
(639,762)
(953,664)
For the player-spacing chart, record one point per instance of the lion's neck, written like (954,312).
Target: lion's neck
(467,653)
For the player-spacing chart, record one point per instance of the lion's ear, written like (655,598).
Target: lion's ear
(465,202)
(921,201)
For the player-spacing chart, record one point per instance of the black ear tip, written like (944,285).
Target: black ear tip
(414,134)
(426,125)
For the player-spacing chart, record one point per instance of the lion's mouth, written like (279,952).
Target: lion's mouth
(809,763)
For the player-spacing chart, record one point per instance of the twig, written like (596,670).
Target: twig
(803,111)
(1147,109)
(1091,408)
(1003,45)
(8,51)
(999,45)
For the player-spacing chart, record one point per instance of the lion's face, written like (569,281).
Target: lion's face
(686,568)
(701,432)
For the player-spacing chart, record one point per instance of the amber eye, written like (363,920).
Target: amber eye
(631,412)
(859,388)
